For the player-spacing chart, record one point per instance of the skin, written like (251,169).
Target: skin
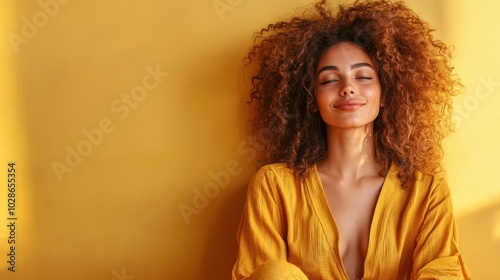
(348,97)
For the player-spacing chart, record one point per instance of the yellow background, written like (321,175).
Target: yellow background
(116,214)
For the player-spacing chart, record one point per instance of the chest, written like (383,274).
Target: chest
(352,205)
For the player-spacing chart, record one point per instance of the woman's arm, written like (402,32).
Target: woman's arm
(436,254)
(262,248)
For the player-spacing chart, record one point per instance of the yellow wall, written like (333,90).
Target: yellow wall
(473,152)
(117,113)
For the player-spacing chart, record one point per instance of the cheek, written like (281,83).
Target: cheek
(373,94)
(323,100)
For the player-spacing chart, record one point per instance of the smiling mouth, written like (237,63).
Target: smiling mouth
(348,105)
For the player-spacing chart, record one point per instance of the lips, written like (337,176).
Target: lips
(349,104)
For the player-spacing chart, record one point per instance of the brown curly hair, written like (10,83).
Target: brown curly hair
(416,79)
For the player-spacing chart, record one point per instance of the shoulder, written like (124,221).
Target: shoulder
(276,169)
(273,175)
(275,178)
(427,192)
(427,185)
(431,182)
(421,179)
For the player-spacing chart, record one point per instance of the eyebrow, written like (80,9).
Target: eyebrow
(335,68)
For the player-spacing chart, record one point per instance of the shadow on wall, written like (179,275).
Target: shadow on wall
(220,245)
(480,241)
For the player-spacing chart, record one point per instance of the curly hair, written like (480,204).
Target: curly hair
(416,79)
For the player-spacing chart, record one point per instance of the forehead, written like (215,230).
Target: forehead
(344,54)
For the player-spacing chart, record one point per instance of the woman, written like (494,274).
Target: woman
(354,106)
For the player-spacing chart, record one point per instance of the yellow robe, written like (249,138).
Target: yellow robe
(413,233)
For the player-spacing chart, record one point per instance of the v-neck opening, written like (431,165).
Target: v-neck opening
(325,206)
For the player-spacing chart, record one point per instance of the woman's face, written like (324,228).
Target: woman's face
(347,87)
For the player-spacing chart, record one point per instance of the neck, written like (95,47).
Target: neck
(350,153)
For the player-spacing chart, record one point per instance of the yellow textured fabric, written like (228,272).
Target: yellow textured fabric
(412,236)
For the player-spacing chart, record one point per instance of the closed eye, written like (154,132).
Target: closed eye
(364,78)
(329,81)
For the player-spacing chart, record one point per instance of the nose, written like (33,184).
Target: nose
(348,89)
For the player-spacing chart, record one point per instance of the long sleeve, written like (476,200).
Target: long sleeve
(262,232)
(436,254)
